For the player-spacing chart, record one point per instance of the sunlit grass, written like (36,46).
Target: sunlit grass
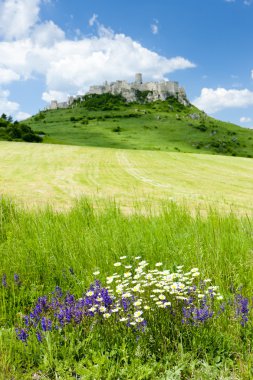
(40,175)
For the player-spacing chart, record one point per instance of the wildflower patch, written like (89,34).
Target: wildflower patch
(133,296)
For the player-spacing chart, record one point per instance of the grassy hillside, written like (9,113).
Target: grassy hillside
(107,121)
(40,174)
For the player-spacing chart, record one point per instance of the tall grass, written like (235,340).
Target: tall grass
(48,249)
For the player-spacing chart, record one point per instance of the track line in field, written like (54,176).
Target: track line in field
(127,166)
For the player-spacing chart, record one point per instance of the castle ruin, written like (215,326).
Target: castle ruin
(154,91)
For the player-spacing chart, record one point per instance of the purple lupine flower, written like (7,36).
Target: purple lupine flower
(26,320)
(125,303)
(39,336)
(40,307)
(69,299)
(77,315)
(202,314)
(22,334)
(187,313)
(242,308)
(57,292)
(17,279)
(142,325)
(4,280)
(68,315)
(46,324)
(106,297)
(61,316)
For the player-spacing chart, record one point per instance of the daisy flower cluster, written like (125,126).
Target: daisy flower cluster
(138,290)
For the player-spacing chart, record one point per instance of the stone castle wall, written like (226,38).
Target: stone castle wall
(157,90)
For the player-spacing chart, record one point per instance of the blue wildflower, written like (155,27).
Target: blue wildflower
(22,334)
(4,280)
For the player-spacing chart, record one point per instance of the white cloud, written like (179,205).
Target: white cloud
(6,106)
(31,48)
(17,17)
(11,108)
(22,116)
(7,76)
(154,28)
(245,119)
(247,2)
(93,19)
(212,101)
(47,34)
(71,66)
(54,95)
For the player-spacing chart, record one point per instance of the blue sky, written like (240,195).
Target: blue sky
(50,49)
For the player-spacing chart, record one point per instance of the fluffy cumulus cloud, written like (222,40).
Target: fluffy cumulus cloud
(30,48)
(47,34)
(245,119)
(214,100)
(71,66)
(11,108)
(6,106)
(17,17)
(7,75)
(60,96)
(22,115)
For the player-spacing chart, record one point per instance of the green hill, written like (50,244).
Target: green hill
(108,121)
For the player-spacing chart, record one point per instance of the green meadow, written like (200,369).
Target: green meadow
(44,249)
(70,211)
(41,174)
(126,245)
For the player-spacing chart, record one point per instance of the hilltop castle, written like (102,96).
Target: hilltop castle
(154,91)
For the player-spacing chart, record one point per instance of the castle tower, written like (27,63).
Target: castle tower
(54,105)
(138,78)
